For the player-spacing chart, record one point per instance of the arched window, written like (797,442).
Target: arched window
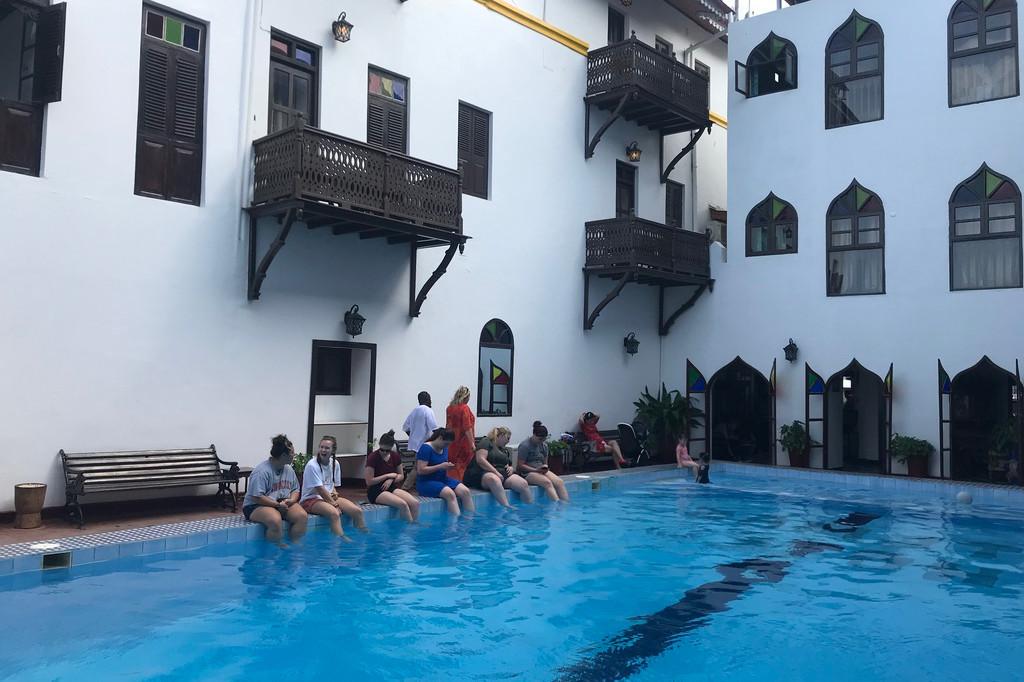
(982,51)
(771,67)
(856,243)
(985,233)
(494,383)
(771,227)
(854,73)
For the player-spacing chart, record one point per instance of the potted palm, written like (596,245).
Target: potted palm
(299,462)
(795,441)
(667,416)
(914,452)
(1003,439)
(558,452)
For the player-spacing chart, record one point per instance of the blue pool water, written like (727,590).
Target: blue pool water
(662,580)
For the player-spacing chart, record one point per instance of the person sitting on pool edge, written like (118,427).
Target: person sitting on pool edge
(533,465)
(491,468)
(320,480)
(273,493)
(383,473)
(588,425)
(432,479)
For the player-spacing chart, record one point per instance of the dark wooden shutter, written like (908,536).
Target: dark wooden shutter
(673,204)
(375,122)
(21,136)
(49,56)
(625,190)
(169,153)
(474,149)
(396,128)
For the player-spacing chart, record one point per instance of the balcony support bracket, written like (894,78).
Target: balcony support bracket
(665,325)
(686,150)
(592,142)
(258,273)
(416,299)
(588,316)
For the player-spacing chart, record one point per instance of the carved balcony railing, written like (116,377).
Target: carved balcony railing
(634,66)
(309,164)
(648,249)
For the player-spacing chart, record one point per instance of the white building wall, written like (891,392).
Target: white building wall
(913,159)
(126,324)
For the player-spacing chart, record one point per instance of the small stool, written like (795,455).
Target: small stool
(243,474)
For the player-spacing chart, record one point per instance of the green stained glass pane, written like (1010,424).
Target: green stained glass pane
(777,46)
(862,25)
(862,197)
(492,329)
(992,183)
(988,3)
(173,31)
(777,207)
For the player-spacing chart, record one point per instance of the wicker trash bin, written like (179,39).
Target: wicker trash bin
(28,504)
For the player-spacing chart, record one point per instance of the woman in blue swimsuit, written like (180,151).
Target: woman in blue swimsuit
(432,479)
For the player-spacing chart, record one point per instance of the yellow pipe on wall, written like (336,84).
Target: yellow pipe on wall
(536,24)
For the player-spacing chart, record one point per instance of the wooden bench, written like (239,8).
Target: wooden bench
(113,472)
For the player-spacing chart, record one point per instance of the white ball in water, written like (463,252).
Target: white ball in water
(964,497)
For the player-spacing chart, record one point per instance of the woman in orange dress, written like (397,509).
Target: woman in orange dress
(462,422)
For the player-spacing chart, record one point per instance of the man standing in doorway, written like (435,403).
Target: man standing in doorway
(418,425)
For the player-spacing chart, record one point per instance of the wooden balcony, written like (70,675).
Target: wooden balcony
(654,253)
(645,252)
(635,81)
(326,181)
(356,185)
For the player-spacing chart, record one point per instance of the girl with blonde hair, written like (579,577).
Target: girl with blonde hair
(461,422)
(491,468)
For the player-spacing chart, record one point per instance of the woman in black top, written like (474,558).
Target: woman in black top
(491,468)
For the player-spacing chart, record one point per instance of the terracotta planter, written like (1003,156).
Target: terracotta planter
(917,467)
(28,504)
(799,458)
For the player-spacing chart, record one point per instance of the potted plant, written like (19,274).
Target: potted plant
(795,440)
(1004,439)
(558,452)
(299,465)
(667,416)
(913,452)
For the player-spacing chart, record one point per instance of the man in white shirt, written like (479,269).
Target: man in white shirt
(418,425)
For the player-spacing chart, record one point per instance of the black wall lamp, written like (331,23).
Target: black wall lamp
(626,3)
(790,350)
(341,29)
(633,152)
(354,321)
(631,344)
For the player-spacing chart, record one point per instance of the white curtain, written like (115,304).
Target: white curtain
(986,263)
(985,76)
(856,272)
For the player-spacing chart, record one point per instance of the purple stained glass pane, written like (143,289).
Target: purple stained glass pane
(304,56)
(399,90)
(154,25)
(192,37)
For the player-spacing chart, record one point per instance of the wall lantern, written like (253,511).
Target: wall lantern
(626,3)
(633,152)
(354,321)
(342,29)
(631,343)
(790,351)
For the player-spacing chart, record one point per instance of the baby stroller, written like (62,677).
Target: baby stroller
(633,448)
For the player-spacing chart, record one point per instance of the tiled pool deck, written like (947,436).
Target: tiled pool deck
(160,539)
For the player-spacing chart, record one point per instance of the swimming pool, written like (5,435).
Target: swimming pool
(661,580)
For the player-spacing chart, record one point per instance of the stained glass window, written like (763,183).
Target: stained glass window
(494,385)
(771,67)
(771,228)
(855,226)
(982,51)
(173,30)
(854,73)
(985,233)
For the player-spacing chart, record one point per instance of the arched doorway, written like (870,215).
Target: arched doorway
(739,419)
(985,423)
(856,427)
